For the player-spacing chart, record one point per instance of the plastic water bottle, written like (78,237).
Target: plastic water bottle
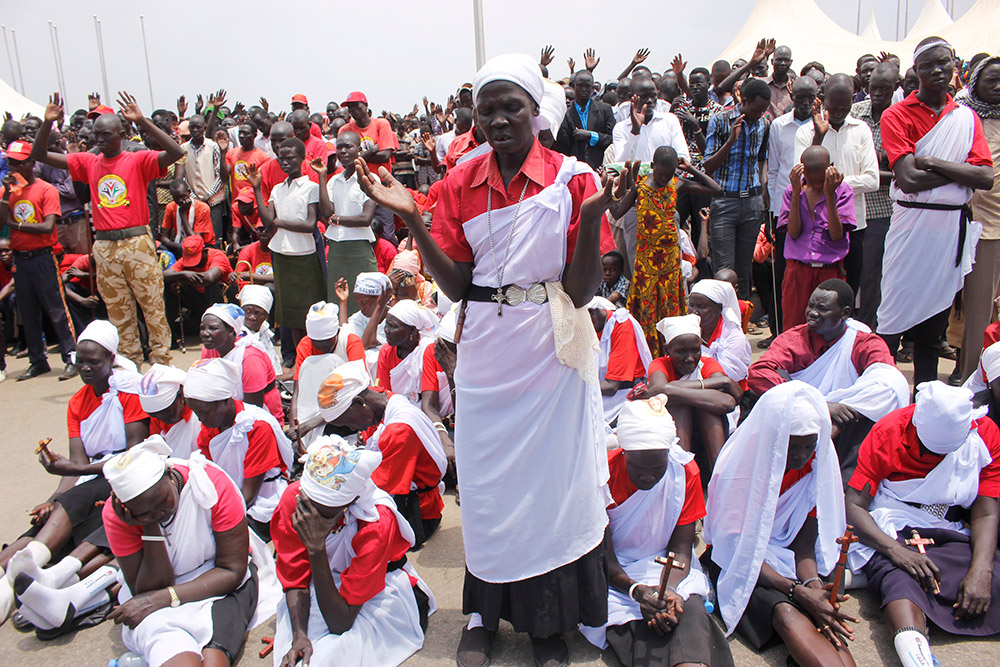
(128,660)
(710,600)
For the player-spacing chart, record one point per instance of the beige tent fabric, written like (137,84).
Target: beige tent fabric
(17,104)
(932,20)
(871,30)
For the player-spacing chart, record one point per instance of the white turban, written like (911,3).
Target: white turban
(518,68)
(931,45)
(990,361)
(229,313)
(340,387)
(646,425)
(137,469)
(672,327)
(159,387)
(411,313)
(371,283)
(722,293)
(213,380)
(103,333)
(806,418)
(602,303)
(257,295)
(448,326)
(553,108)
(943,416)
(323,320)
(335,473)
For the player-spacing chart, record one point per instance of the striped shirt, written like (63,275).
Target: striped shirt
(740,169)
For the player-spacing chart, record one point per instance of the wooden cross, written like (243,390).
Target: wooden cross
(920,543)
(845,543)
(268,646)
(43,446)
(668,563)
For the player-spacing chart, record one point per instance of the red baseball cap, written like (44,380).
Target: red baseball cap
(245,195)
(19,150)
(300,99)
(356,96)
(99,110)
(191,248)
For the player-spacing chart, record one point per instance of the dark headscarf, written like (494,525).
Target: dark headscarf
(971,99)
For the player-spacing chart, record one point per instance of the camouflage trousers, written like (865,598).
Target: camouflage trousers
(128,273)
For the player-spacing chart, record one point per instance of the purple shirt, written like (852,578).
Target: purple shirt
(814,245)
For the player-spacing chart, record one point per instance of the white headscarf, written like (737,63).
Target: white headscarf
(212,379)
(137,469)
(229,313)
(518,68)
(411,313)
(552,109)
(159,386)
(105,334)
(323,320)
(371,283)
(943,416)
(990,362)
(335,473)
(340,387)
(602,303)
(646,425)
(672,327)
(257,295)
(448,326)
(722,293)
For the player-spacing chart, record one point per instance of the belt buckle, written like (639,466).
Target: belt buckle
(744,194)
(536,294)
(514,295)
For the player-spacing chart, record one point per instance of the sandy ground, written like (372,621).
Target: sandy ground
(37,408)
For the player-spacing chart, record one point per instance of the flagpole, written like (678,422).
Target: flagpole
(145,50)
(477,17)
(55,58)
(10,61)
(17,57)
(100,53)
(62,70)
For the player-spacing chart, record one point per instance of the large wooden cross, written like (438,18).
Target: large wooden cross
(920,543)
(845,543)
(669,563)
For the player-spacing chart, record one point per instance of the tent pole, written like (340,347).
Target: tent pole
(858,31)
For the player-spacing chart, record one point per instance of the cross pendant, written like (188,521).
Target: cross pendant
(499,298)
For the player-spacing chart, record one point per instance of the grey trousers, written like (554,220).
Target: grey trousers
(734,225)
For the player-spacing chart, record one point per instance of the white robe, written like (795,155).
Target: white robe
(398,410)
(183,436)
(732,350)
(405,376)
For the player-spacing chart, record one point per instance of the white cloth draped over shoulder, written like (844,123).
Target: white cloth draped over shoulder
(183,436)
(312,372)
(513,394)
(386,630)
(641,528)
(613,403)
(170,631)
(263,340)
(879,390)
(919,276)
(398,410)
(407,374)
(103,431)
(748,522)
(953,481)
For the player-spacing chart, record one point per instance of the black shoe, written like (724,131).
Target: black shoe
(21,353)
(955,379)
(766,343)
(550,652)
(34,370)
(475,647)
(69,372)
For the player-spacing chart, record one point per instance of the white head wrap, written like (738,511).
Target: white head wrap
(807,419)
(335,473)
(932,45)
(943,416)
(552,109)
(159,386)
(371,283)
(340,387)
(257,295)
(672,327)
(323,320)
(519,69)
(137,469)
(602,303)
(448,326)
(990,362)
(722,293)
(212,380)
(412,314)
(229,313)
(646,425)
(103,333)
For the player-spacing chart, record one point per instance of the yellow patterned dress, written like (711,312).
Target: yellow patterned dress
(657,289)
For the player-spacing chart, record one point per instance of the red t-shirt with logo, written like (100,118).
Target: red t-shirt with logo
(254,260)
(202,224)
(117,186)
(239,162)
(381,133)
(30,205)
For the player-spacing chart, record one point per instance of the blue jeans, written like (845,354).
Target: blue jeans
(734,225)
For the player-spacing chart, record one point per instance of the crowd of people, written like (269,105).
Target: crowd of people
(582,377)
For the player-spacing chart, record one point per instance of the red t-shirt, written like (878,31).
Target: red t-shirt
(257,374)
(315,148)
(405,462)
(381,133)
(991,335)
(906,122)
(202,224)
(709,367)
(227,513)
(6,275)
(892,451)
(388,359)
(306,349)
(30,205)
(245,221)
(790,477)
(385,252)
(255,260)
(214,259)
(460,145)
(262,451)
(239,162)
(117,186)
(429,378)
(464,197)
(84,402)
(624,362)
(375,545)
(622,487)
(157,427)
(270,175)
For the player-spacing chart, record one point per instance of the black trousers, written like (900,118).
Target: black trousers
(191,304)
(688,206)
(926,338)
(854,261)
(871,271)
(40,292)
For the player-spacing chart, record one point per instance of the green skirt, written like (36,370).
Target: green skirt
(298,284)
(346,259)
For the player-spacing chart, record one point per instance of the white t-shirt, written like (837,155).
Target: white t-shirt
(348,199)
(291,201)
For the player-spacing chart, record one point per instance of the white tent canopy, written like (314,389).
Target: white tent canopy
(931,21)
(17,104)
(871,30)
(978,30)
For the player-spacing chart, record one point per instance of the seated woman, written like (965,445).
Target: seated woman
(781,457)
(657,498)
(180,536)
(256,302)
(624,354)
(699,392)
(104,418)
(437,384)
(350,596)
(222,336)
(413,458)
(372,291)
(408,331)
(324,335)
(243,439)
(161,394)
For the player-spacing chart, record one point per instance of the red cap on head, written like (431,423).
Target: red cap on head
(192,245)
(19,150)
(300,99)
(99,110)
(356,96)
(245,195)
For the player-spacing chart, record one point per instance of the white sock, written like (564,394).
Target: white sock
(6,599)
(29,614)
(56,576)
(475,621)
(53,605)
(913,648)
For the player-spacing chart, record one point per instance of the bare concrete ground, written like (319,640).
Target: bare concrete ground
(37,408)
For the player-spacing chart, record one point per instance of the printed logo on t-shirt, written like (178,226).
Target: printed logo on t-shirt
(240,169)
(24,213)
(112,191)
(263,269)
(368,144)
